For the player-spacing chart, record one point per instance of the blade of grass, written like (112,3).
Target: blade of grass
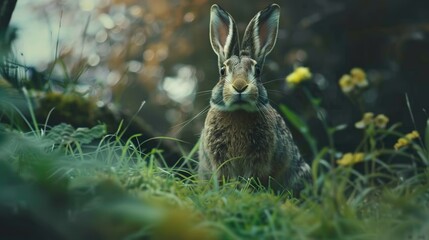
(299,124)
(31,110)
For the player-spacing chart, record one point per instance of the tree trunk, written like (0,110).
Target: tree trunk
(6,10)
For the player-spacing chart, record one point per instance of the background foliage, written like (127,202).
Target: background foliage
(126,52)
(97,135)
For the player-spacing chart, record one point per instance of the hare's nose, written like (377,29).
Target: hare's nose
(239,85)
(239,88)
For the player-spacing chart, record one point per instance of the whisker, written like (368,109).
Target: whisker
(274,103)
(261,109)
(185,123)
(203,92)
(274,91)
(273,80)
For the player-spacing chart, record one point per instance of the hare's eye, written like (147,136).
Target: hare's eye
(222,71)
(257,70)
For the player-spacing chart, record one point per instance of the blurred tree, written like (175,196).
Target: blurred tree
(124,52)
(6,36)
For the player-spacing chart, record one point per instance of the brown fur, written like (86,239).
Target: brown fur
(243,135)
(240,143)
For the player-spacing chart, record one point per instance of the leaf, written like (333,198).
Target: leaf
(337,128)
(60,133)
(340,127)
(294,119)
(298,123)
(316,101)
(65,134)
(427,137)
(86,135)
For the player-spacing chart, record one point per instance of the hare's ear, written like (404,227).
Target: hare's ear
(223,34)
(261,33)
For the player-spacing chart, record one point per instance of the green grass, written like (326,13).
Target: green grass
(112,190)
(59,182)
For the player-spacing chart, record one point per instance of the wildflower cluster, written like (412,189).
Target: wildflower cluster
(369,119)
(355,80)
(405,141)
(379,121)
(298,75)
(349,159)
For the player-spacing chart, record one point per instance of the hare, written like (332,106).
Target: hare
(243,135)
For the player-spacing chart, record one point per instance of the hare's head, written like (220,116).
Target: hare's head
(240,66)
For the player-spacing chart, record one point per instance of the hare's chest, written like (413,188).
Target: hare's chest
(246,140)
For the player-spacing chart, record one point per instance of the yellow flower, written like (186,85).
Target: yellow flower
(381,121)
(367,119)
(298,75)
(358,73)
(346,83)
(359,77)
(402,142)
(349,159)
(405,141)
(412,135)
(356,78)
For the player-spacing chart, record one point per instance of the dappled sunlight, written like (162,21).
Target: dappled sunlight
(103,102)
(181,88)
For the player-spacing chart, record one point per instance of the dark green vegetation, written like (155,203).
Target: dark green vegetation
(70,169)
(65,183)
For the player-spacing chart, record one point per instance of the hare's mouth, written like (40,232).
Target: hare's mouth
(240,99)
(240,103)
